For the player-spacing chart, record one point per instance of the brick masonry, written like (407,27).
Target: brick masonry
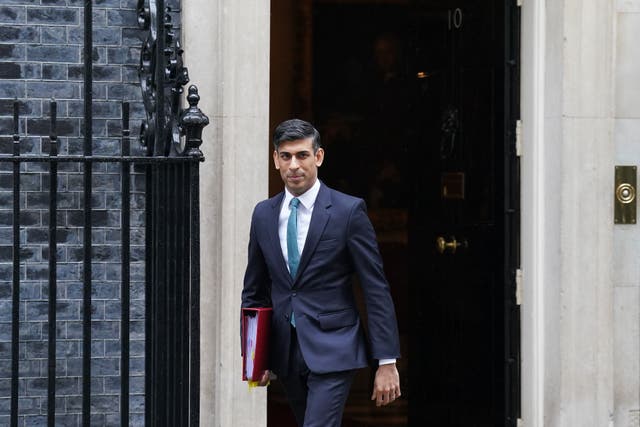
(41,49)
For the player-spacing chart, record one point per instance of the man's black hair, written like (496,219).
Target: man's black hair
(291,130)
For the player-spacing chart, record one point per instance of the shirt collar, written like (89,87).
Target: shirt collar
(307,199)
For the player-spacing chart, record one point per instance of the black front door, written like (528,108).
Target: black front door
(464,346)
(416,102)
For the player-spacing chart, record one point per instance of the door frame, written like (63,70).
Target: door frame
(534,212)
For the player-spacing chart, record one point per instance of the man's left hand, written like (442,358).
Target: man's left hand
(386,387)
(264,380)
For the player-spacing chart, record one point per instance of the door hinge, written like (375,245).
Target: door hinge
(519,3)
(519,422)
(518,138)
(518,286)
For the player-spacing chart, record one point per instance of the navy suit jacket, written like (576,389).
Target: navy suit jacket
(340,242)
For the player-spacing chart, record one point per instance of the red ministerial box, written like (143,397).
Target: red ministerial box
(256,326)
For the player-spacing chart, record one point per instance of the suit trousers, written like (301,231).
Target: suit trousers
(317,400)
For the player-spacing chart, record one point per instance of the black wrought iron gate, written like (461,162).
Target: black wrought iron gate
(171,136)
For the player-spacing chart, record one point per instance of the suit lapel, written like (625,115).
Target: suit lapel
(272,227)
(319,220)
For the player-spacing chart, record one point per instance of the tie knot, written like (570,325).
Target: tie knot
(294,202)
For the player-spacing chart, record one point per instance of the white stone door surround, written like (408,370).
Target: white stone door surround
(567,157)
(567,57)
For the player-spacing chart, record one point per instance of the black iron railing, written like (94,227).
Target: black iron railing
(172,277)
(172,137)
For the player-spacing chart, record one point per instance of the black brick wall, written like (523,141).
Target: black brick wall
(41,49)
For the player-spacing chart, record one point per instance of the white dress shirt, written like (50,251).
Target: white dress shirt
(305,209)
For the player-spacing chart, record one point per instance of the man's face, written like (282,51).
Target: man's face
(298,164)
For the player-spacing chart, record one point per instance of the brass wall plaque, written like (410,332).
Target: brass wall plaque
(625,196)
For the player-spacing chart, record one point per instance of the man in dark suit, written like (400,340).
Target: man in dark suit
(305,245)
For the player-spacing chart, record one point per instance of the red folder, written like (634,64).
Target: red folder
(256,324)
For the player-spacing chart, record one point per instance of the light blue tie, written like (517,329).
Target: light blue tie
(293,254)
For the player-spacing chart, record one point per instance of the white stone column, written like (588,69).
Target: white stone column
(227,53)
(586,298)
(626,262)
(567,210)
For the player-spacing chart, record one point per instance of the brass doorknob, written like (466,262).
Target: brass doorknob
(451,246)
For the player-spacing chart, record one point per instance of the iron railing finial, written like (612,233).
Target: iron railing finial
(192,121)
